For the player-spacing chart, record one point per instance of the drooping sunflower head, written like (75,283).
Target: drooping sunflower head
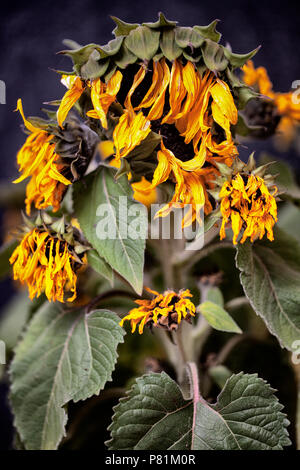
(167,97)
(274,112)
(163,311)
(48,258)
(53,159)
(248,202)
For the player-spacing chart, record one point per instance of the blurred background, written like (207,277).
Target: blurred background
(32,34)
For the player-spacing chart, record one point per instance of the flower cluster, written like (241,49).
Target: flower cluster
(161,103)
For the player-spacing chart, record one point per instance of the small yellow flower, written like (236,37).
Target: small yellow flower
(164,310)
(286,107)
(45,263)
(247,203)
(38,160)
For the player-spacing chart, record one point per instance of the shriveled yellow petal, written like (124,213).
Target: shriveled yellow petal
(70,98)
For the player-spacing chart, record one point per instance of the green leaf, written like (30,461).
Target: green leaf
(218,318)
(209,31)
(5,253)
(213,56)
(238,60)
(64,355)
(168,45)
(100,265)
(123,28)
(155,416)
(143,42)
(270,276)
(247,416)
(215,295)
(121,248)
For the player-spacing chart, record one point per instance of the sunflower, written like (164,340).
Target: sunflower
(38,160)
(164,95)
(48,263)
(285,112)
(248,205)
(164,310)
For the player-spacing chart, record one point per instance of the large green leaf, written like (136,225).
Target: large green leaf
(155,416)
(270,275)
(64,355)
(122,250)
(247,416)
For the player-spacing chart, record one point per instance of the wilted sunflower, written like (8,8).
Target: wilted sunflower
(47,262)
(167,98)
(53,159)
(247,202)
(165,310)
(281,113)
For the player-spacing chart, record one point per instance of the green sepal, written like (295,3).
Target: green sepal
(123,28)
(143,42)
(213,56)
(243,128)
(124,57)
(161,22)
(123,170)
(238,60)
(80,56)
(244,95)
(209,31)
(168,45)
(186,36)
(94,68)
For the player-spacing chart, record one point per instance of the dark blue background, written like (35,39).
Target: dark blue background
(32,32)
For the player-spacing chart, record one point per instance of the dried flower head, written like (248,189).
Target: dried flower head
(164,310)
